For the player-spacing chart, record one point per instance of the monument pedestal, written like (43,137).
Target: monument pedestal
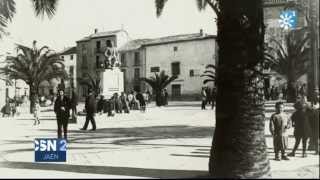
(111,82)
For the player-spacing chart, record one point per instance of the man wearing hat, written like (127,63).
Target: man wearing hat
(90,106)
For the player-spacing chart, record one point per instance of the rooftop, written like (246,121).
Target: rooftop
(69,50)
(101,34)
(136,44)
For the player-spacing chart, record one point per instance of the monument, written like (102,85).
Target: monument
(112,77)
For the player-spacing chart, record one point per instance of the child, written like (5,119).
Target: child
(36,112)
(279,123)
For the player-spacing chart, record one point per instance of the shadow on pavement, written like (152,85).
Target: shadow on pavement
(134,135)
(107,170)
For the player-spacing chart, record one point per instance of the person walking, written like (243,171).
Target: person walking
(62,110)
(142,102)
(203,98)
(279,123)
(74,104)
(36,112)
(90,106)
(213,97)
(302,129)
(313,114)
(123,99)
(284,92)
(303,92)
(130,100)
(166,96)
(100,104)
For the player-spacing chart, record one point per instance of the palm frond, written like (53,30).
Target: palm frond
(45,7)
(7,11)
(160,6)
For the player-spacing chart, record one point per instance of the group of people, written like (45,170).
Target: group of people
(12,106)
(305,121)
(208,96)
(116,104)
(135,100)
(275,92)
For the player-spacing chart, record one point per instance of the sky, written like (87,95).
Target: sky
(76,19)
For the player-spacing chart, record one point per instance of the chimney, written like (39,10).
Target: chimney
(95,30)
(201,32)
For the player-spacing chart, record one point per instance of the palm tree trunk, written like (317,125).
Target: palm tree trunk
(159,101)
(32,97)
(292,91)
(239,147)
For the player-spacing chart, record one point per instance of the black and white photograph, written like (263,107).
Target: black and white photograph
(159,89)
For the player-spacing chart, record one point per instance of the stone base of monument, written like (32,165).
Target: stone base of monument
(111,82)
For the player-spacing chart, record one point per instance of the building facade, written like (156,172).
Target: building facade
(91,55)
(184,55)
(69,55)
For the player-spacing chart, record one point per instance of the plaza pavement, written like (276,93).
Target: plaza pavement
(163,142)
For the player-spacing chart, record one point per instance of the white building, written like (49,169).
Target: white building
(184,55)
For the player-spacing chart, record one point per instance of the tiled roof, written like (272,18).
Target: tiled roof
(136,44)
(70,50)
(178,38)
(101,34)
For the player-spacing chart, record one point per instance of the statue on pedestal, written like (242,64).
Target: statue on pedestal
(112,57)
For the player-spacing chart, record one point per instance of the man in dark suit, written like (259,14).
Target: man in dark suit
(90,106)
(62,110)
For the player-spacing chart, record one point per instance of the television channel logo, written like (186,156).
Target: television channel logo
(288,19)
(50,150)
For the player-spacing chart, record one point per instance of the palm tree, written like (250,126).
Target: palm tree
(8,9)
(34,66)
(92,83)
(291,58)
(239,146)
(158,82)
(209,74)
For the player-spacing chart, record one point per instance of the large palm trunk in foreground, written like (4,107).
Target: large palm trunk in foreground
(239,147)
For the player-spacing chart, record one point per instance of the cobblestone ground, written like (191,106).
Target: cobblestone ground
(166,142)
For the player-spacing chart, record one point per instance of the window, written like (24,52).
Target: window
(109,43)
(84,49)
(155,69)
(136,58)
(175,48)
(71,57)
(84,62)
(84,91)
(176,91)
(175,68)
(136,73)
(98,64)
(71,70)
(191,72)
(98,46)
(123,59)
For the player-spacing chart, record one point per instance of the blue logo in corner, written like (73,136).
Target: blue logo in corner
(50,150)
(288,19)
